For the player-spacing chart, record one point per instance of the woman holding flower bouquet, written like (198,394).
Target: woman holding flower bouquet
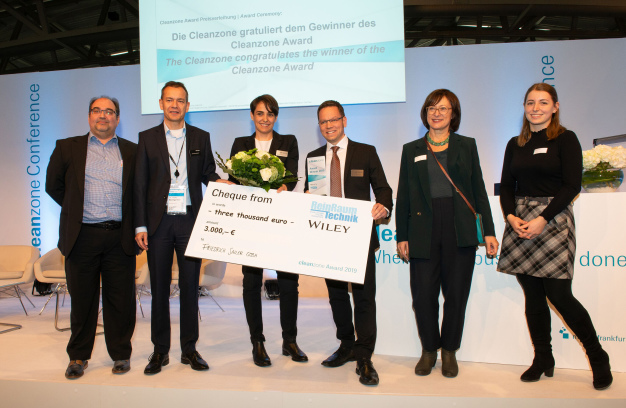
(541,175)
(264,112)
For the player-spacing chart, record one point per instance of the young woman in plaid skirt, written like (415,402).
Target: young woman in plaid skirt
(541,176)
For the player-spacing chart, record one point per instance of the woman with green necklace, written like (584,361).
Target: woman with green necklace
(440,190)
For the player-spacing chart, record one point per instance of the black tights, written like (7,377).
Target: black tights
(559,292)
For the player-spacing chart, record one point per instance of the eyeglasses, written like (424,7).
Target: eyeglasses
(442,109)
(330,121)
(98,111)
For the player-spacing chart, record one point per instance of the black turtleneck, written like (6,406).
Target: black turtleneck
(528,172)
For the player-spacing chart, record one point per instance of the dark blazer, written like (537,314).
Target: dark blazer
(414,214)
(360,156)
(286,143)
(65,183)
(152,173)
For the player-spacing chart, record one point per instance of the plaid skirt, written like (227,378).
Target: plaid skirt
(549,255)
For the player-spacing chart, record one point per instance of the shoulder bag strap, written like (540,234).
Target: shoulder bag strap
(450,180)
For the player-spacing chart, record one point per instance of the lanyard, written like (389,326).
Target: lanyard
(177,173)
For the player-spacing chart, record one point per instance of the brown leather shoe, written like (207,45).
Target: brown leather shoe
(76,369)
(426,363)
(449,366)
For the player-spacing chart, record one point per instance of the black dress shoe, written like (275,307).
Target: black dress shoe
(292,349)
(156,361)
(195,360)
(76,369)
(121,366)
(449,366)
(259,355)
(366,371)
(339,357)
(426,363)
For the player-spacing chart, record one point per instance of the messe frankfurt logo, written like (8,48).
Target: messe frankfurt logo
(615,338)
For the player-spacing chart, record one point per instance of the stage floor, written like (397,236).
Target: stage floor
(33,362)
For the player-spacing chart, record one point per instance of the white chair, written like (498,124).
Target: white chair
(142,276)
(50,268)
(211,277)
(16,268)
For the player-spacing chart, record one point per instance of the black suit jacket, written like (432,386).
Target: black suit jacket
(360,156)
(65,183)
(414,216)
(285,143)
(152,173)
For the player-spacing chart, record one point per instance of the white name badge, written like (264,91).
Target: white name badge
(177,200)
(281,153)
(541,150)
(316,168)
(420,158)
(308,234)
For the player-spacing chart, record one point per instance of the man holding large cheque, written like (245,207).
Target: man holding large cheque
(351,169)
(306,233)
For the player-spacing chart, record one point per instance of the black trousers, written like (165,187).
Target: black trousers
(559,291)
(173,235)
(98,255)
(364,311)
(449,270)
(288,287)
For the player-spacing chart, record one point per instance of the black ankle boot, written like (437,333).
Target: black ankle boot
(601,368)
(598,358)
(543,363)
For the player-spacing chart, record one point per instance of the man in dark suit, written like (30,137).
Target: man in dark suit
(173,160)
(352,168)
(91,178)
(264,112)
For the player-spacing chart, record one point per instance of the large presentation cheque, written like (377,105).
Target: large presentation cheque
(308,234)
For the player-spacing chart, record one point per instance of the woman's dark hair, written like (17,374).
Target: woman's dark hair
(434,98)
(269,101)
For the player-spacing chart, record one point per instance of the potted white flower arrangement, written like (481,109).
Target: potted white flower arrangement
(602,168)
(257,168)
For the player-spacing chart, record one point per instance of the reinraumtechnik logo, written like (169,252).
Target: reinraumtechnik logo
(333,212)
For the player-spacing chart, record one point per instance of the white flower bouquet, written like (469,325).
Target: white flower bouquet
(257,168)
(602,168)
(604,157)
